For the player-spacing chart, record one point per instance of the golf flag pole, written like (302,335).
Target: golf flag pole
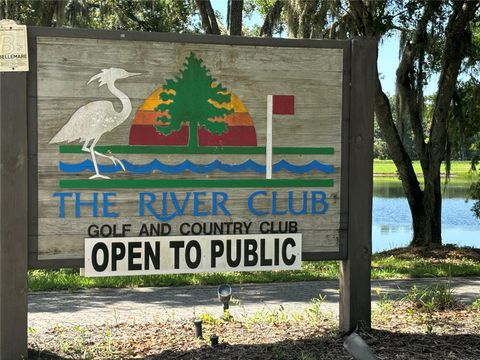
(268,162)
(278,105)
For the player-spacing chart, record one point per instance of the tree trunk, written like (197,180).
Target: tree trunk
(235,14)
(207,15)
(47,10)
(432,203)
(193,134)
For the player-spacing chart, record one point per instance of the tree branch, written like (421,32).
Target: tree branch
(409,106)
(396,149)
(306,19)
(207,16)
(363,19)
(129,12)
(212,17)
(458,38)
(271,19)
(366,26)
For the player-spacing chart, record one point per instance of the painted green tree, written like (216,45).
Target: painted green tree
(190,98)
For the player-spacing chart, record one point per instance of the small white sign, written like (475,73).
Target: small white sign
(13,46)
(191,254)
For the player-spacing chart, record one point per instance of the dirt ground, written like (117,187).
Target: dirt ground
(399,332)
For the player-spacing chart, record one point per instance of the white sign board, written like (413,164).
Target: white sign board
(191,254)
(13,46)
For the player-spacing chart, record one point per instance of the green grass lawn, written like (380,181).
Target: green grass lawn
(395,264)
(460,170)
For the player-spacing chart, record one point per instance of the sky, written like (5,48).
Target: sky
(388,57)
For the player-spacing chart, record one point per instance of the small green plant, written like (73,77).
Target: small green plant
(279,315)
(437,297)
(476,304)
(426,301)
(106,347)
(314,311)
(385,304)
(209,319)
(74,346)
(227,316)
(262,316)
(235,301)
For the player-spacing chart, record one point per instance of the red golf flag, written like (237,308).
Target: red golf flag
(283,105)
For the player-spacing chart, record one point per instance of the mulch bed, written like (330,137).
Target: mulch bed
(396,334)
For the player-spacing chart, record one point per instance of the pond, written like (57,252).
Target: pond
(392,222)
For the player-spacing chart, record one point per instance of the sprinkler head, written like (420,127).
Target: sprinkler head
(224,295)
(198,329)
(214,340)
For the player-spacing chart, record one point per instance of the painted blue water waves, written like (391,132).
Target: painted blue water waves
(187,165)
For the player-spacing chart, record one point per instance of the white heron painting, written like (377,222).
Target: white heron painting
(94,119)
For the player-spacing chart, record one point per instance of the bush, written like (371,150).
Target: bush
(474,193)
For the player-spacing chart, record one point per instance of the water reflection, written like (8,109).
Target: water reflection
(393,189)
(392,220)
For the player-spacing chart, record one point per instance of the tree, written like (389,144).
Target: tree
(30,12)
(435,38)
(141,15)
(191,98)
(463,133)
(147,15)
(425,204)
(474,194)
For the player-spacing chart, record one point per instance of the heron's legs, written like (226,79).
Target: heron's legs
(92,152)
(112,158)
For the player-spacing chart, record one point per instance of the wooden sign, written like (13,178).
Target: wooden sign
(142,152)
(202,139)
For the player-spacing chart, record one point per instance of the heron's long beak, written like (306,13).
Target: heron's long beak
(132,74)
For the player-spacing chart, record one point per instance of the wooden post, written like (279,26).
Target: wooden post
(355,296)
(13,215)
